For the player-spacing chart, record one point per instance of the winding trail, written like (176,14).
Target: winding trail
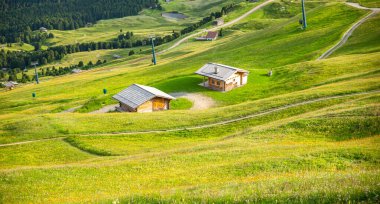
(200,102)
(256,8)
(207,125)
(221,26)
(349,32)
(323,56)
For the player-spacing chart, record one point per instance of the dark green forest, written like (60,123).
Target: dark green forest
(19,60)
(19,17)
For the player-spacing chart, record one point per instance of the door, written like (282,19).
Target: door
(159,104)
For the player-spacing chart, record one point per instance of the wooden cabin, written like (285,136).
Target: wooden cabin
(221,77)
(43,30)
(10,85)
(210,36)
(142,99)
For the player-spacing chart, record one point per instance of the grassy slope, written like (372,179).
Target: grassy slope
(320,152)
(368,3)
(364,40)
(276,159)
(17,47)
(147,23)
(51,95)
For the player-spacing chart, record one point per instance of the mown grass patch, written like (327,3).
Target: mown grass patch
(40,153)
(95,103)
(181,104)
(86,148)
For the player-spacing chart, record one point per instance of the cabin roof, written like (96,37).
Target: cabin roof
(224,71)
(211,35)
(136,94)
(10,83)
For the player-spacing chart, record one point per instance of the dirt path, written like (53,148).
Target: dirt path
(221,26)
(71,110)
(349,32)
(208,125)
(256,8)
(200,102)
(106,109)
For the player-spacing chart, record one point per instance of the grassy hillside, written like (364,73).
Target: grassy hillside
(364,39)
(280,157)
(308,134)
(368,3)
(147,23)
(17,47)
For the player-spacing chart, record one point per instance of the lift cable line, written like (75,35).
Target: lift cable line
(154,60)
(35,71)
(304,22)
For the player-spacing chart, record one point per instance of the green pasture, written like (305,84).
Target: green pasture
(175,73)
(364,40)
(281,157)
(311,134)
(147,23)
(368,3)
(17,47)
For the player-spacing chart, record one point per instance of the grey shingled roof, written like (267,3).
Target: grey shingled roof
(224,71)
(135,95)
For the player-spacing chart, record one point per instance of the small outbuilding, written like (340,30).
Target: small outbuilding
(43,30)
(76,71)
(211,35)
(115,56)
(221,77)
(10,85)
(139,98)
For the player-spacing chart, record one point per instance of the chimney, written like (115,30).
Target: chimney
(216,70)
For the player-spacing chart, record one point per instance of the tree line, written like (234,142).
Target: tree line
(22,59)
(18,17)
(11,74)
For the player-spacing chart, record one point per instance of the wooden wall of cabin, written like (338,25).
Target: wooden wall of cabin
(216,84)
(230,86)
(160,104)
(145,107)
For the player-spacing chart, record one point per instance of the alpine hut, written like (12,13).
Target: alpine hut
(10,85)
(222,77)
(139,98)
(43,30)
(210,36)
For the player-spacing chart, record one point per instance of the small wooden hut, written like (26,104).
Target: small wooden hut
(139,98)
(10,85)
(222,77)
(210,36)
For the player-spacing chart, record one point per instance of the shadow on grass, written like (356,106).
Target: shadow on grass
(180,84)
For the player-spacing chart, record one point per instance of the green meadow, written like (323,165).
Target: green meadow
(308,134)
(147,23)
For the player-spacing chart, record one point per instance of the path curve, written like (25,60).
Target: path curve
(106,109)
(211,29)
(200,102)
(208,125)
(349,32)
(221,26)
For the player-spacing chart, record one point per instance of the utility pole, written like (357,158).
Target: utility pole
(35,71)
(152,38)
(304,23)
